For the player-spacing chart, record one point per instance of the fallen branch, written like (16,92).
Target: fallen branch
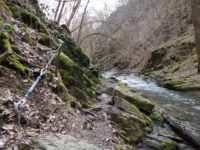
(186,133)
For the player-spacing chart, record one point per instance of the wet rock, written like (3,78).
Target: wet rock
(169,145)
(61,142)
(143,104)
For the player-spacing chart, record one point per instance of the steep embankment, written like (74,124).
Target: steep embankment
(176,62)
(155,37)
(140,28)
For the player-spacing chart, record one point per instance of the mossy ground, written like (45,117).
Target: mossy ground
(33,21)
(4,41)
(169,145)
(27,36)
(14,61)
(154,63)
(16,49)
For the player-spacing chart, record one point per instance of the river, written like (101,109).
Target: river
(184,106)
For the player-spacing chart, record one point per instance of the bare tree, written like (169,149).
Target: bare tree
(196,21)
(57,8)
(82,21)
(74,10)
(61,11)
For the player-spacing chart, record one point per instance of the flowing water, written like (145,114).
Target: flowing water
(184,106)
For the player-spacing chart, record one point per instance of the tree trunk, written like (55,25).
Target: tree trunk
(57,8)
(61,11)
(82,21)
(74,10)
(196,21)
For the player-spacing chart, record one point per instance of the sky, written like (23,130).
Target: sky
(94,7)
(98,5)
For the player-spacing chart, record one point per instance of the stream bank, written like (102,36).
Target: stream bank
(183,106)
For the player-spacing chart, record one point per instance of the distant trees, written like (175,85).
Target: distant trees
(196,21)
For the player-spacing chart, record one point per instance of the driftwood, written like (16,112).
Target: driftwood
(188,134)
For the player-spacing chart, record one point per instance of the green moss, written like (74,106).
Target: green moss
(35,142)
(16,12)
(171,84)
(23,147)
(82,97)
(14,62)
(143,104)
(157,117)
(67,99)
(132,109)
(4,41)
(154,62)
(18,86)
(75,80)
(16,49)
(76,53)
(27,37)
(125,88)
(129,129)
(71,73)
(3,35)
(33,21)
(169,145)
(175,68)
(44,39)
(119,148)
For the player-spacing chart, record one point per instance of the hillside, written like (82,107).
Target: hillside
(66,103)
(140,28)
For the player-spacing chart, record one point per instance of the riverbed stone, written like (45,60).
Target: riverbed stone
(143,104)
(63,142)
(126,106)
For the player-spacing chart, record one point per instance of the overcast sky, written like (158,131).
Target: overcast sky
(99,5)
(94,7)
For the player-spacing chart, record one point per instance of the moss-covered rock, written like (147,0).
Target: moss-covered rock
(129,129)
(181,84)
(33,21)
(16,49)
(175,68)
(27,37)
(157,117)
(4,41)
(131,109)
(44,39)
(74,78)
(171,84)
(5,46)
(154,63)
(169,145)
(14,61)
(71,73)
(16,11)
(119,148)
(76,53)
(143,104)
